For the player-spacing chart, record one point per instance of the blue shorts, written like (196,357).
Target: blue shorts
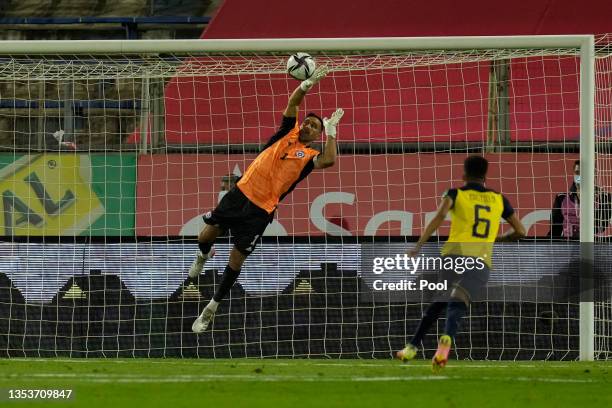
(472,281)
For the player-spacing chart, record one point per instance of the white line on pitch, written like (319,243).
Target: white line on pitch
(72,360)
(99,377)
(135,378)
(419,364)
(240,362)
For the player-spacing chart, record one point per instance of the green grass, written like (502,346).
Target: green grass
(171,383)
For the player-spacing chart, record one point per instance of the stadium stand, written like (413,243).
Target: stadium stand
(129,24)
(199,119)
(29,113)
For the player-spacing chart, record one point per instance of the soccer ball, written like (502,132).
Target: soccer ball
(300,66)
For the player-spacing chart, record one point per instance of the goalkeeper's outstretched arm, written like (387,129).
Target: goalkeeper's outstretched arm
(328,157)
(298,95)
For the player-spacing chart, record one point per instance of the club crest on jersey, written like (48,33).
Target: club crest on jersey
(300,154)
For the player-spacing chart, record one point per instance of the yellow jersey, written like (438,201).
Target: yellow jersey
(476,214)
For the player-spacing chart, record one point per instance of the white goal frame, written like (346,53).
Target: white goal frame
(585,43)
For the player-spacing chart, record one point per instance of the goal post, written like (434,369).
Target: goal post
(146,61)
(587,201)
(88,47)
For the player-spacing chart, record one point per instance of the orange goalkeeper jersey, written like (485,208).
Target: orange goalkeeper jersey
(282,164)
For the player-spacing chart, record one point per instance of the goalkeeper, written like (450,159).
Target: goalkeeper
(249,207)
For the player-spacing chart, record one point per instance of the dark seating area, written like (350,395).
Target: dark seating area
(99,112)
(132,26)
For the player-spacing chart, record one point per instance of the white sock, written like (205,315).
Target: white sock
(207,256)
(212,305)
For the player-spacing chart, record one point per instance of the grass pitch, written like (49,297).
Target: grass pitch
(170,383)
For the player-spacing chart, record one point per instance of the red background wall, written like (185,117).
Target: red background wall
(407,18)
(172,189)
(430,104)
(440,103)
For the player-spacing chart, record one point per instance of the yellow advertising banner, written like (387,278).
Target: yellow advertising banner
(48,194)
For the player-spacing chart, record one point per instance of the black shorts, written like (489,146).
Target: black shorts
(245,221)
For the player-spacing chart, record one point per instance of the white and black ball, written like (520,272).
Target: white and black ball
(301,66)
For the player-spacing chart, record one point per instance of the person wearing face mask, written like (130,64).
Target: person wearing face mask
(565,213)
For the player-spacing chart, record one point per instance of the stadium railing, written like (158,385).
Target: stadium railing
(130,24)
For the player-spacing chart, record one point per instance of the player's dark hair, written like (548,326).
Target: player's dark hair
(577,163)
(475,167)
(314,115)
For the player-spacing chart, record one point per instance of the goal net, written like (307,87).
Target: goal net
(603,185)
(111,154)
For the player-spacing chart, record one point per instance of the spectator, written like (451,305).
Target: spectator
(63,144)
(57,142)
(565,214)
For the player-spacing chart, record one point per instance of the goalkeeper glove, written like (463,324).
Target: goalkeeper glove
(331,123)
(318,75)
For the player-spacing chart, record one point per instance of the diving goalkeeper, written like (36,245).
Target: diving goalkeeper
(247,209)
